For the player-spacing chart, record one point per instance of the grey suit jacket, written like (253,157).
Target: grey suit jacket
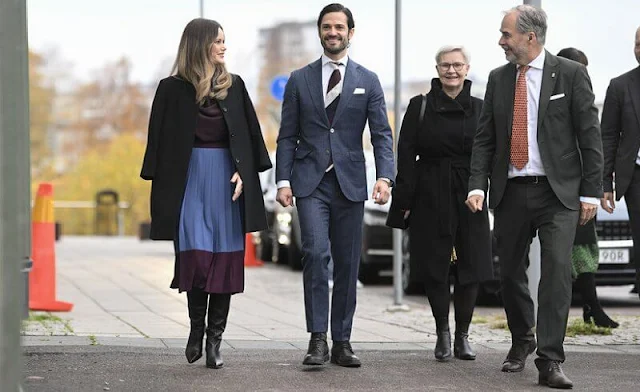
(307,142)
(621,130)
(568,133)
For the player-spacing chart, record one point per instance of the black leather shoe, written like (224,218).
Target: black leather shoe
(318,352)
(551,374)
(442,352)
(517,356)
(461,347)
(342,354)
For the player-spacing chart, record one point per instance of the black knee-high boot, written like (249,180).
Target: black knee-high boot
(464,300)
(591,308)
(216,324)
(197,302)
(439,298)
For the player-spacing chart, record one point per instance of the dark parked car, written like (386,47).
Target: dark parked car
(616,247)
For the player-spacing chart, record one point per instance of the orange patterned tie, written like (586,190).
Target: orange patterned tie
(519,140)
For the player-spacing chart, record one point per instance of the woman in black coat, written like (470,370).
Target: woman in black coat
(434,151)
(204,152)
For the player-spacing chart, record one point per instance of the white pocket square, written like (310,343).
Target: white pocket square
(358,90)
(557,96)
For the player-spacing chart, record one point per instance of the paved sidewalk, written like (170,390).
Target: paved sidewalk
(120,288)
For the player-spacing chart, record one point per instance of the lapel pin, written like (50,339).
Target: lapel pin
(553,74)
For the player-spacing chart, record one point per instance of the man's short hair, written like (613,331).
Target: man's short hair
(531,19)
(336,7)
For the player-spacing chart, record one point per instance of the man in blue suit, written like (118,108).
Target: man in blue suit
(320,161)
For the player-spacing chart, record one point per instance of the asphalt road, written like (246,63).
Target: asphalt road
(102,368)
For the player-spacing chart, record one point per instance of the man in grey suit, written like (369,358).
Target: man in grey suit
(621,143)
(539,143)
(320,161)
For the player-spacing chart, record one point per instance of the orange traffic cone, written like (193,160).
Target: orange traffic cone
(42,278)
(250,259)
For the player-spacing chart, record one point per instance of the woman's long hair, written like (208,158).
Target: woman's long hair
(194,63)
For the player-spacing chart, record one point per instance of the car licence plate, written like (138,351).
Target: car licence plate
(614,256)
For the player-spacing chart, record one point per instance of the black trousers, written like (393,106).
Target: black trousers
(632,198)
(524,210)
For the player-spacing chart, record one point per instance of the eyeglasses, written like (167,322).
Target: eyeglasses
(444,67)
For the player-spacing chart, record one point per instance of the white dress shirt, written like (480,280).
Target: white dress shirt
(534,166)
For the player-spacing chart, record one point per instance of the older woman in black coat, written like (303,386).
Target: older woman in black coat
(434,150)
(204,152)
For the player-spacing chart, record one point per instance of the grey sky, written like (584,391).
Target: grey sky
(89,33)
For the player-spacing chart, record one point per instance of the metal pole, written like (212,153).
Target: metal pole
(397,233)
(202,8)
(14,185)
(535,3)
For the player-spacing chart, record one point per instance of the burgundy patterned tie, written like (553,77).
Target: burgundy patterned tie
(334,79)
(519,138)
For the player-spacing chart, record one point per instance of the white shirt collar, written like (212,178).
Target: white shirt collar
(325,60)
(538,62)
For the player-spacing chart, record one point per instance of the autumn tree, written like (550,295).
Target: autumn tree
(116,167)
(111,105)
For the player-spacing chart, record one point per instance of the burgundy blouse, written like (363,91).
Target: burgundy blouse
(211,129)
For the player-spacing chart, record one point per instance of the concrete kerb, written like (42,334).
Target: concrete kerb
(230,344)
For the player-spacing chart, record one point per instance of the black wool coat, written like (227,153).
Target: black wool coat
(171,137)
(434,187)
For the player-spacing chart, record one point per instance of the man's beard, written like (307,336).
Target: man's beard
(515,55)
(511,58)
(344,43)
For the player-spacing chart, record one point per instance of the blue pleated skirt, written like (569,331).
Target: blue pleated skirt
(210,241)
